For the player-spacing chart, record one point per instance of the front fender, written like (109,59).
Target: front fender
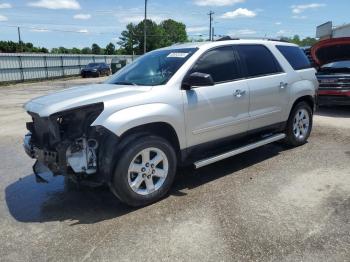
(125,119)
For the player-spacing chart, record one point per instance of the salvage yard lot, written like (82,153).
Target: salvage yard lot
(271,204)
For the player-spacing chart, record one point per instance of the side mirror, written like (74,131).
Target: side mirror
(197,79)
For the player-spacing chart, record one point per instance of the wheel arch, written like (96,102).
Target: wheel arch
(310,100)
(161,129)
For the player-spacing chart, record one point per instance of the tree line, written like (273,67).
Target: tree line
(131,40)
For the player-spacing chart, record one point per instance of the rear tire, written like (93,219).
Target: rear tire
(145,171)
(299,124)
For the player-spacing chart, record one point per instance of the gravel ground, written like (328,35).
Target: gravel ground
(270,204)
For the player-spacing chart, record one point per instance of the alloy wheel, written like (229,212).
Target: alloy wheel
(148,171)
(301,124)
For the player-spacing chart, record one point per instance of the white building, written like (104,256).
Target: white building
(326,31)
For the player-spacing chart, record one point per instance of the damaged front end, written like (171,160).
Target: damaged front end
(65,143)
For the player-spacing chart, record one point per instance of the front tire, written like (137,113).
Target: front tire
(145,171)
(299,125)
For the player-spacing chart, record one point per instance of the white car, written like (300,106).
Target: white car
(194,103)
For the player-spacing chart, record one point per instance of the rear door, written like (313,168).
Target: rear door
(219,111)
(268,85)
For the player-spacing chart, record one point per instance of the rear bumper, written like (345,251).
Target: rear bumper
(89,73)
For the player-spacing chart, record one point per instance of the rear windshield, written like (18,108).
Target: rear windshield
(295,56)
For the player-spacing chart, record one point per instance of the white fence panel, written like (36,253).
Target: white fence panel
(22,66)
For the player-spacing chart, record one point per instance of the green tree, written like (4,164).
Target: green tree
(174,32)
(75,50)
(128,39)
(110,49)
(63,50)
(86,51)
(166,33)
(96,49)
(308,41)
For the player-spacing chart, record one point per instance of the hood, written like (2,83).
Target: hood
(331,50)
(80,96)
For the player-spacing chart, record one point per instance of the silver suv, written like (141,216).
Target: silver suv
(194,103)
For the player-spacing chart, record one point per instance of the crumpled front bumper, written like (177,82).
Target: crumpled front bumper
(43,159)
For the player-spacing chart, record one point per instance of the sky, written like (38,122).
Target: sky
(79,23)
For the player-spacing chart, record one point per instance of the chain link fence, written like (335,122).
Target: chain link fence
(17,67)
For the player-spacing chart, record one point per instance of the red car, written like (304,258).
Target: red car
(332,57)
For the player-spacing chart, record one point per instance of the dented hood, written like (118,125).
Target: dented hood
(331,50)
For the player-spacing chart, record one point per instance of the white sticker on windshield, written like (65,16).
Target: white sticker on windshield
(178,55)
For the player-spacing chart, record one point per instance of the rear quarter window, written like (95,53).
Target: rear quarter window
(295,56)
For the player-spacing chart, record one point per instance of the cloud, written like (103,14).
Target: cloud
(3,18)
(5,5)
(83,31)
(40,30)
(299,16)
(196,29)
(298,9)
(281,32)
(238,13)
(217,2)
(278,23)
(82,16)
(243,32)
(56,4)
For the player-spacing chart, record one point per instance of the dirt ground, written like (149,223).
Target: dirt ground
(270,204)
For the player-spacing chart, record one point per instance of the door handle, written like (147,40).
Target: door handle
(239,93)
(283,85)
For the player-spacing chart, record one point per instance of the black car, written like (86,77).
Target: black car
(96,70)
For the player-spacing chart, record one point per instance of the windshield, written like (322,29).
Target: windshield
(154,68)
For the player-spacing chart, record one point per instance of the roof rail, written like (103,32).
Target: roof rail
(227,38)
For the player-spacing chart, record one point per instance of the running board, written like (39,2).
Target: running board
(239,150)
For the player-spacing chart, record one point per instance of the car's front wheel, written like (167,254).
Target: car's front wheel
(145,171)
(299,124)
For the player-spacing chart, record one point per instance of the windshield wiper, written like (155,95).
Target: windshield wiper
(125,83)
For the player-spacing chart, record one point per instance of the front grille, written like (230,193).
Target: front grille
(334,82)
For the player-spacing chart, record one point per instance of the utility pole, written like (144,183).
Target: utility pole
(145,30)
(19,38)
(212,34)
(210,22)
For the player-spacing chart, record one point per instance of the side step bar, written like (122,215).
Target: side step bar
(239,150)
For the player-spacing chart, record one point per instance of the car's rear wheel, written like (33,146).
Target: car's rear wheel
(145,171)
(299,124)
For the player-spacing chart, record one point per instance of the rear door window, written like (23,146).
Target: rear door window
(258,60)
(295,56)
(220,63)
